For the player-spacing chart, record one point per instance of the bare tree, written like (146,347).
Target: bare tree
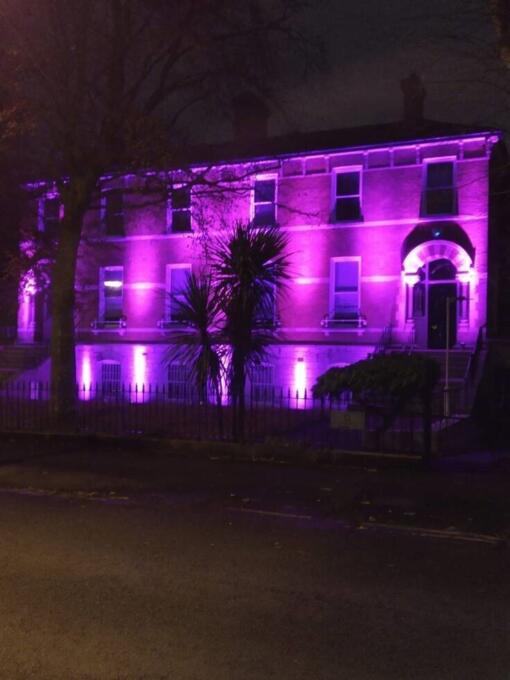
(115,85)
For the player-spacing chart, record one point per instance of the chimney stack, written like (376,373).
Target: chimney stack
(251,116)
(414,98)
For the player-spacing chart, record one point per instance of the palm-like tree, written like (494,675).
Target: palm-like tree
(197,345)
(248,266)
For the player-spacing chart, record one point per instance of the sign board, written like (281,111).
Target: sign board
(348,420)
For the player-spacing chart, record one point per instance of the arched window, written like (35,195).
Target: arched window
(441,270)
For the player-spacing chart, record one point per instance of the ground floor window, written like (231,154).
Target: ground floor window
(110,378)
(178,384)
(262,383)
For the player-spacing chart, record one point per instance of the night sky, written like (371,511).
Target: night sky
(372,44)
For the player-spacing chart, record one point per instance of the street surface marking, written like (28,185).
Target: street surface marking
(272,513)
(436,533)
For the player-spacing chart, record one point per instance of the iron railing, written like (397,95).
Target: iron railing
(271,415)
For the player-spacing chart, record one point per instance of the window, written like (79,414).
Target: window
(347,196)
(264,202)
(178,381)
(439,195)
(111,289)
(419,290)
(262,383)
(266,313)
(49,215)
(442,270)
(345,277)
(112,204)
(110,378)
(176,281)
(179,212)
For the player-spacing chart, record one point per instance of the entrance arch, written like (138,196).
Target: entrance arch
(434,273)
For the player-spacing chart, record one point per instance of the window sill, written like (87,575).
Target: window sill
(269,225)
(331,322)
(183,232)
(102,325)
(443,215)
(269,324)
(358,220)
(164,325)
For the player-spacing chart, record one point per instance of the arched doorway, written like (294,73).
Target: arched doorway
(435,303)
(437,278)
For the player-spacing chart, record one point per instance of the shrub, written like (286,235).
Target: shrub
(395,376)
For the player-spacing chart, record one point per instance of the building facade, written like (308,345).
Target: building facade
(388,232)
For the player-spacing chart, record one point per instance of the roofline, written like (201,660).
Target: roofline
(414,141)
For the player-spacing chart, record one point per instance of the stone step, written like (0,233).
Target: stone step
(458,362)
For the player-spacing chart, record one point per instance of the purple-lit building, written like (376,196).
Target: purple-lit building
(384,222)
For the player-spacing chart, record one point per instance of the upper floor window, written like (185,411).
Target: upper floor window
(266,313)
(179,210)
(345,289)
(439,197)
(49,215)
(111,293)
(347,206)
(112,212)
(264,202)
(176,281)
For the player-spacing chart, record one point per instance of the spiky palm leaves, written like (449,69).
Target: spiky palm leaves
(249,265)
(196,343)
(233,306)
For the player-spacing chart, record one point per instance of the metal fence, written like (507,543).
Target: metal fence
(270,415)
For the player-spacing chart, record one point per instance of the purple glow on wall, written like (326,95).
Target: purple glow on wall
(85,373)
(113,284)
(26,308)
(25,318)
(299,386)
(139,367)
(28,284)
(392,188)
(304,280)
(143,298)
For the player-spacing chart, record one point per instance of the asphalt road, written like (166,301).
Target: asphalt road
(193,591)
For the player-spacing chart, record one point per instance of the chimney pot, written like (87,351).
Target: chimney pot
(414,98)
(251,116)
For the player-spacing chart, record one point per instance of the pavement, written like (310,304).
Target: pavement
(188,588)
(458,498)
(135,561)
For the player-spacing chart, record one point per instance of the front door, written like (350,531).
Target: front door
(439,294)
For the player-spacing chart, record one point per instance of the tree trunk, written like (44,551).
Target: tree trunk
(238,400)
(219,408)
(76,197)
(242,408)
